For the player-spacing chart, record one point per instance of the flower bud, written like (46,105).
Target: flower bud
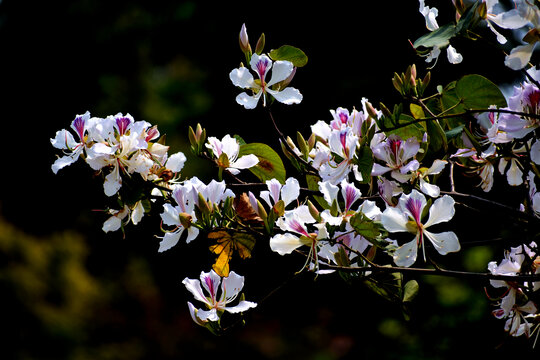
(313,211)
(243,40)
(185,220)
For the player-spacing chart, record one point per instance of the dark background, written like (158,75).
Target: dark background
(71,291)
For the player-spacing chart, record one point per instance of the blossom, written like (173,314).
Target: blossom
(511,19)
(342,143)
(430,15)
(276,192)
(526,99)
(262,64)
(294,223)
(520,56)
(406,217)
(396,154)
(64,140)
(230,148)
(181,216)
(216,298)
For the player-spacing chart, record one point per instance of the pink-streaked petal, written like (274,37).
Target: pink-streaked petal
(261,64)
(413,204)
(210,282)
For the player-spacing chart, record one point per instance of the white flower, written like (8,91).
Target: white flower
(180,217)
(64,140)
(262,64)
(288,192)
(406,217)
(230,147)
(397,155)
(216,298)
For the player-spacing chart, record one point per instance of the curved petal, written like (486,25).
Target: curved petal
(406,254)
(63,162)
(193,232)
(379,169)
(176,162)
(394,220)
(290,191)
(247,101)
(442,210)
(280,71)
(519,56)
(169,216)
(245,162)
(287,96)
(429,189)
(284,243)
(329,191)
(445,242)
(231,286)
(169,240)
(241,307)
(208,315)
(193,312)
(242,78)
(113,182)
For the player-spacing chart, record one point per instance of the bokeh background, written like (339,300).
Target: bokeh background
(70,291)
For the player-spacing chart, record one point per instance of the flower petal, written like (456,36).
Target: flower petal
(519,56)
(445,242)
(406,254)
(241,307)
(169,240)
(285,243)
(242,78)
(176,161)
(280,71)
(287,96)
(290,191)
(442,210)
(245,162)
(231,286)
(247,101)
(394,220)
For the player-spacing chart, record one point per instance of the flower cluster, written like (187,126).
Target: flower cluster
(368,195)
(515,304)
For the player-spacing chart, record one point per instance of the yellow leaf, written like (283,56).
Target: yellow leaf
(225,245)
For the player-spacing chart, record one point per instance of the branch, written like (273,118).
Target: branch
(436,272)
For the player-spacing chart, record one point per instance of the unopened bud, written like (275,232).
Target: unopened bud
(203,204)
(371,110)
(313,211)
(243,40)
(260,44)
(186,220)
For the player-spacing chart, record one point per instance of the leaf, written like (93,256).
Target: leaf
(289,53)
(313,184)
(410,290)
(437,137)
(477,92)
(364,226)
(364,160)
(413,130)
(439,37)
(270,165)
(387,285)
(226,244)
(417,111)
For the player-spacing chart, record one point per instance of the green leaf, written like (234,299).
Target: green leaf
(417,111)
(413,130)
(477,92)
(289,53)
(364,226)
(436,136)
(313,184)
(440,37)
(410,290)
(270,165)
(364,160)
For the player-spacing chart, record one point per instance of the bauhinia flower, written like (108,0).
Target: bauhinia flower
(262,64)
(407,217)
(226,151)
(398,157)
(217,299)
(181,217)
(64,140)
